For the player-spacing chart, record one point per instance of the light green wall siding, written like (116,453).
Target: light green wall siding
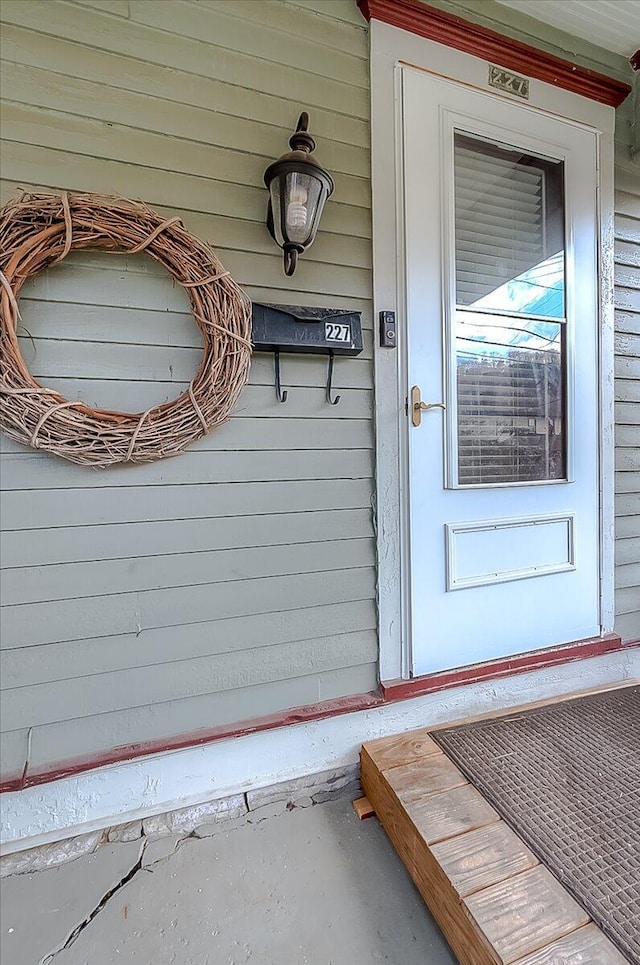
(628,406)
(237,579)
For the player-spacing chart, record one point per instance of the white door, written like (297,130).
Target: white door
(501,298)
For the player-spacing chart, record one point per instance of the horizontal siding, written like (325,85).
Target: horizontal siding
(42,704)
(143,603)
(247,434)
(109,654)
(152,84)
(183,37)
(63,507)
(627,348)
(47,584)
(134,612)
(237,466)
(124,541)
(186,153)
(101,732)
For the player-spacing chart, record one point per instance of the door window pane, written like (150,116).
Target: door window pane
(509,229)
(510,400)
(509,271)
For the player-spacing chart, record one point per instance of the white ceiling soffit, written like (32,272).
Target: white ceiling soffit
(612,24)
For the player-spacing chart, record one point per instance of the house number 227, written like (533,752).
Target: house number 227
(337,332)
(511,83)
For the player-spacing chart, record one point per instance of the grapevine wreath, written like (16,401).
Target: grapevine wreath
(38,231)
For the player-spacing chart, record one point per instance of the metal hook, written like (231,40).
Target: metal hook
(327,391)
(280,395)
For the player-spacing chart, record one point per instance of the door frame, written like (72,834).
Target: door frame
(391,50)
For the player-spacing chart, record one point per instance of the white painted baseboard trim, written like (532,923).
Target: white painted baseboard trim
(152,785)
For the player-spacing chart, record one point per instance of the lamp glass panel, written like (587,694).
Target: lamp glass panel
(302,195)
(275,190)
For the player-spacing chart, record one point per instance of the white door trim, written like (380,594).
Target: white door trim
(390,48)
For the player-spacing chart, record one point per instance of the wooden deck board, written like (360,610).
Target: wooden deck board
(441,816)
(413,782)
(524,913)
(494,902)
(483,857)
(389,752)
(587,946)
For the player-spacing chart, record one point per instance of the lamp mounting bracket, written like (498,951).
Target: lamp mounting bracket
(301,140)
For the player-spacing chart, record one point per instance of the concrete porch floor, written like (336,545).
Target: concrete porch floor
(311,886)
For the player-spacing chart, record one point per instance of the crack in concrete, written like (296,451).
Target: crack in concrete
(252,816)
(249,818)
(77,931)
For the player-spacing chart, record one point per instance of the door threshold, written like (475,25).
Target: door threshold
(503,667)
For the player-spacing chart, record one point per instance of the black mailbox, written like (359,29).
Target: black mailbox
(292,328)
(314,331)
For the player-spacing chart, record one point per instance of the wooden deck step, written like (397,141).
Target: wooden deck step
(495,903)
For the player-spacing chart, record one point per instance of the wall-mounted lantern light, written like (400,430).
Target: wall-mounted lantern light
(298,188)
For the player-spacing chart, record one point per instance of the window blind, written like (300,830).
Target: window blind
(499,214)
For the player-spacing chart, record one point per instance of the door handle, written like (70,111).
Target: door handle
(418,406)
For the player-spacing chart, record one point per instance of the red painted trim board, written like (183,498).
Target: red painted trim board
(445,28)
(505,667)
(389,692)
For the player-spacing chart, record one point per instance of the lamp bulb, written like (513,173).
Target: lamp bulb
(296,208)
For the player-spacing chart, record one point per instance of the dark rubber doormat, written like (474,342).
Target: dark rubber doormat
(566,777)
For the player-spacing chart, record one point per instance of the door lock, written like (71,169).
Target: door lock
(418,406)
